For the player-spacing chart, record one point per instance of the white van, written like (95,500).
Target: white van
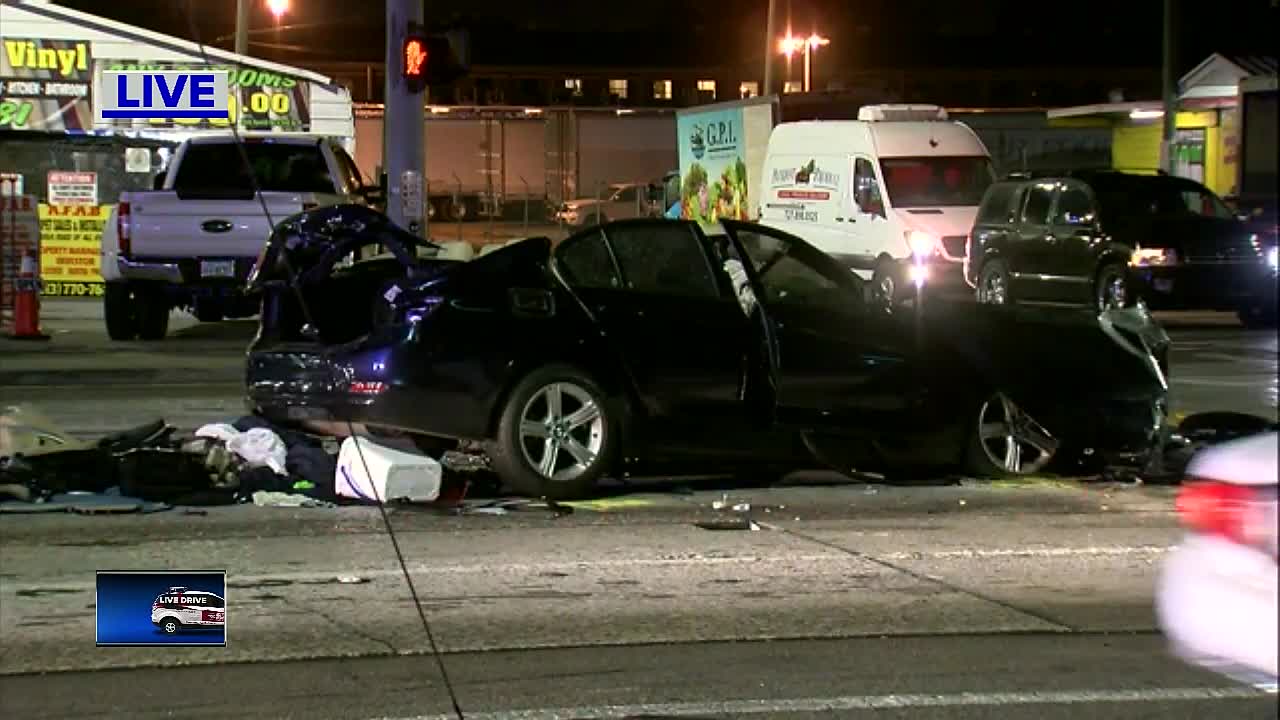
(181,608)
(893,194)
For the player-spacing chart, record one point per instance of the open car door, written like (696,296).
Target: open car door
(844,373)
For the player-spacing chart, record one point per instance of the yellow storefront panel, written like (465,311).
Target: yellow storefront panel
(1136,147)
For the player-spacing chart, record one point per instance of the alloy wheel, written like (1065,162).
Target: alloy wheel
(1011,440)
(561,431)
(1112,293)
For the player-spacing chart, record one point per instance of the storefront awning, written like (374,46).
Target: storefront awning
(1130,109)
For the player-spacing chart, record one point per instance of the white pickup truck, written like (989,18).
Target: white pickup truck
(190,243)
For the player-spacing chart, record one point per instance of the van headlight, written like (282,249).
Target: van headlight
(1153,257)
(922,244)
(1273,261)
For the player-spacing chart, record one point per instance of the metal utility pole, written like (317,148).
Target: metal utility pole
(1170,83)
(770,42)
(403,130)
(242,27)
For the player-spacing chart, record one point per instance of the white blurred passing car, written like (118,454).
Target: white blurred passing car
(1217,594)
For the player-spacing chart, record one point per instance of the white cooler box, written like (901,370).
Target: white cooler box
(392,474)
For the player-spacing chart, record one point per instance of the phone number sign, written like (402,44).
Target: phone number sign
(259,99)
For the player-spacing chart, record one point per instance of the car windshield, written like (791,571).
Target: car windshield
(914,182)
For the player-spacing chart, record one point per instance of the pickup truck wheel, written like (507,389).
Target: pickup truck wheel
(120,310)
(153,315)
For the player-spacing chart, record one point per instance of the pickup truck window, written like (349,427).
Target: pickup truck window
(278,167)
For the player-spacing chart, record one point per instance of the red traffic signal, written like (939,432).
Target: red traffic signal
(413,58)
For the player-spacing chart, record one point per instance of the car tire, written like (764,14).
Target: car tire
(1111,281)
(530,427)
(994,286)
(170,626)
(153,315)
(120,311)
(987,454)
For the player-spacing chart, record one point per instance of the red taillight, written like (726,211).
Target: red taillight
(1240,513)
(1215,508)
(364,387)
(124,228)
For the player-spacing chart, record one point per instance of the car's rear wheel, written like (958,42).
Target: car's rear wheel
(1111,288)
(1006,442)
(170,626)
(120,310)
(557,434)
(993,284)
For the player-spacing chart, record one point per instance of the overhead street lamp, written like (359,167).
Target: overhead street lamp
(278,8)
(792,44)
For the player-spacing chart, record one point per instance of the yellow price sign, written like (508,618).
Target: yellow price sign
(260,103)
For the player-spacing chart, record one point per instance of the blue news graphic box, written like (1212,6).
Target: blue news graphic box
(162,608)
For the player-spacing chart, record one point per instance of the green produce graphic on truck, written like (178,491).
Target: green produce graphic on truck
(722,148)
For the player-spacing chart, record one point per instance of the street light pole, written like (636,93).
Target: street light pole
(807,49)
(769,48)
(242,27)
(1170,82)
(404,136)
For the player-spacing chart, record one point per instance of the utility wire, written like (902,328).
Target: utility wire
(307,318)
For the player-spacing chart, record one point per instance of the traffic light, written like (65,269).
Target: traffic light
(414,54)
(432,59)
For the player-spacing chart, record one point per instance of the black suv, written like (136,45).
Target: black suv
(1108,238)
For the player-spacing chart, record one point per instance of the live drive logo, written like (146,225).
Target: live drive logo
(183,600)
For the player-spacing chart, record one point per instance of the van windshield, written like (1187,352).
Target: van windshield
(913,182)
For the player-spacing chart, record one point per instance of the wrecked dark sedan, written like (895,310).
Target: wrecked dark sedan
(648,346)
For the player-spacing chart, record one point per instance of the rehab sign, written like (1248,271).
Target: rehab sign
(168,95)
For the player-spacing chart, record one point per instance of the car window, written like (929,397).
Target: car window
(585,262)
(1039,202)
(278,167)
(626,194)
(866,189)
(1075,207)
(787,278)
(997,204)
(1201,202)
(662,258)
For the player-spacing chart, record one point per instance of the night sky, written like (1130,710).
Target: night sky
(873,34)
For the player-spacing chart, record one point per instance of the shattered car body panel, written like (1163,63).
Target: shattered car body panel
(715,344)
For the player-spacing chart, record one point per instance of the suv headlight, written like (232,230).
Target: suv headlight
(1153,257)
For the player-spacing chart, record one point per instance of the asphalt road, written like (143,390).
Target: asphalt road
(1029,600)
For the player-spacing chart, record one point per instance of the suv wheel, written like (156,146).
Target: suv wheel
(170,626)
(1111,288)
(993,284)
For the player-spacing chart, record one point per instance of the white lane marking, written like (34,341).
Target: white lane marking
(861,702)
(372,574)
(1259,382)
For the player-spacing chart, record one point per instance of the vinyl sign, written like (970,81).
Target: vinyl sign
(171,95)
(45,85)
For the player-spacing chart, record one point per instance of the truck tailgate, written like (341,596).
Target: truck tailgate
(166,226)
